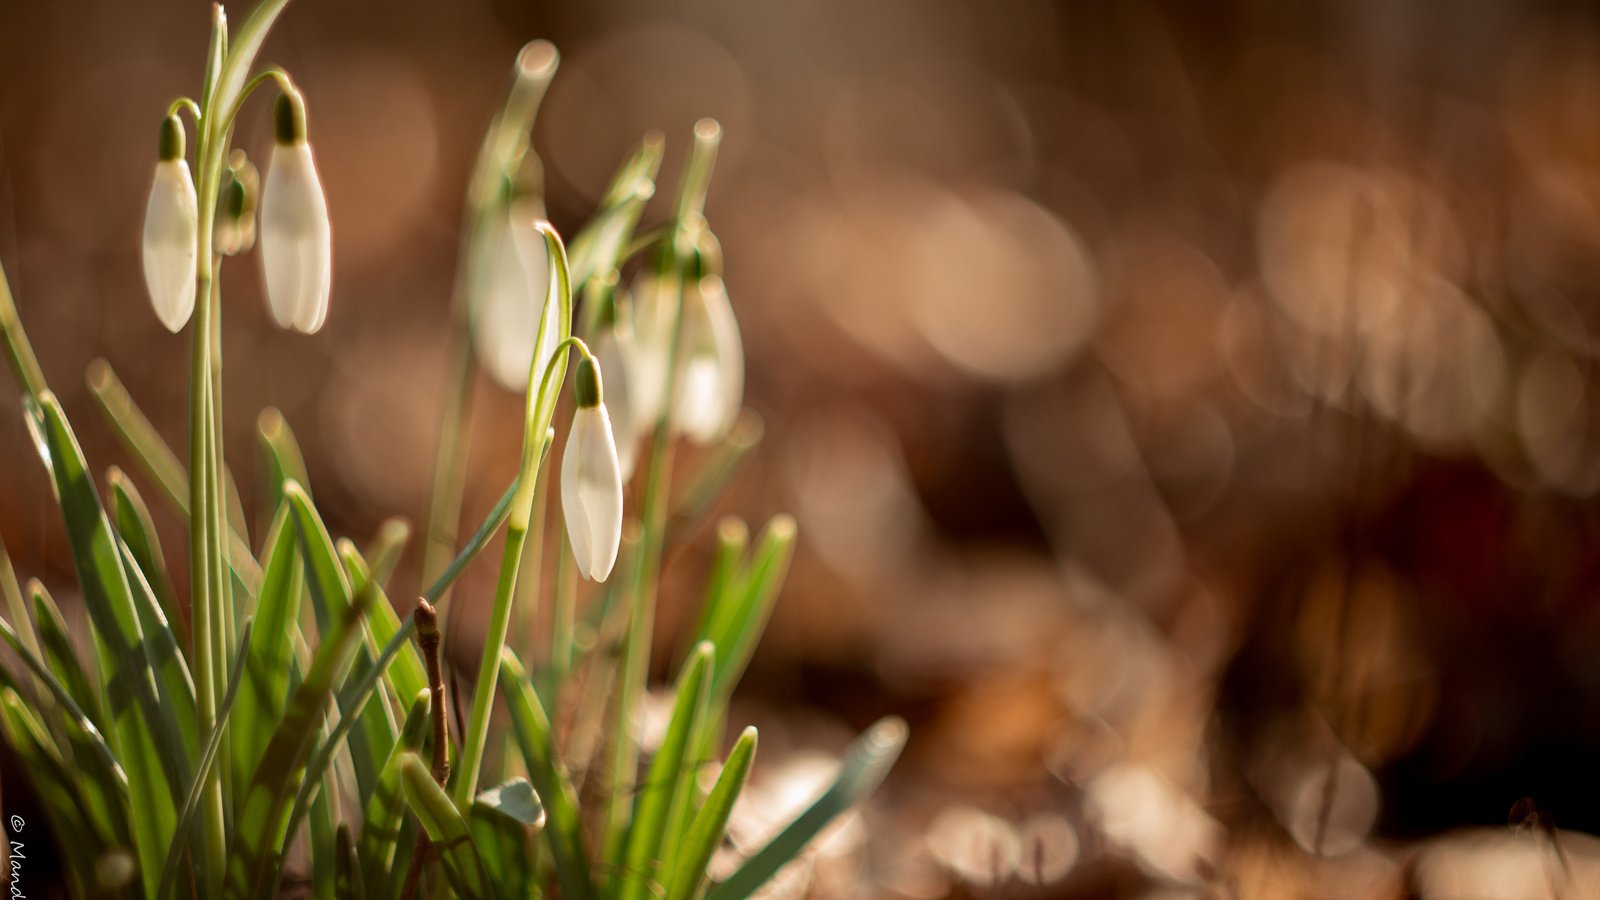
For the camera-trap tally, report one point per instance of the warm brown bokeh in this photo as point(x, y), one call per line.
point(1189, 408)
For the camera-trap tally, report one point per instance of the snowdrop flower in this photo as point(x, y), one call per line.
point(517, 308)
point(591, 480)
point(236, 223)
point(614, 350)
point(296, 251)
point(171, 229)
point(657, 309)
point(710, 383)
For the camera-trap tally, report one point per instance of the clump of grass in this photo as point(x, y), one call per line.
point(287, 703)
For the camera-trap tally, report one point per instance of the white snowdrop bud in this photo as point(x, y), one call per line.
point(171, 231)
point(591, 481)
point(296, 242)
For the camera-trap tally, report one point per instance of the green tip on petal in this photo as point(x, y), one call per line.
point(234, 202)
point(289, 119)
point(172, 139)
point(586, 383)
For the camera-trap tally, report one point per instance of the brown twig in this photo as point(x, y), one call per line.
point(427, 620)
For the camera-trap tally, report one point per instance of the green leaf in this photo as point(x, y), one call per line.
point(706, 831)
point(174, 684)
point(261, 820)
point(480, 538)
point(147, 446)
point(285, 462)
point(384, 814)
point(506, 848)
point(373, 737)
point(103, 784)
point(347, 883)
point(865, 764)
point(58, 653)
point(320, 835)
point(563, 830)
point(387, 546)
point(57, 789)
point(735, 626)
point(405, 675)
point(138, 533)
point(463, 866)
point(669, 773)
point(13, 593)
point(144, 736)
point(516, 800)
point(269, 659)
point(202, 772)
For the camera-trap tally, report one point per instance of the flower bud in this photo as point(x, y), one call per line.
point(591, 480)
point(516, 303)
point(296, 248)
point(235, 232)
point(171, 232)
point(710, 385)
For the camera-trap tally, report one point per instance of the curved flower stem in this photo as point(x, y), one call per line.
point(536, 441)
point(646, 570)
point(501, 152)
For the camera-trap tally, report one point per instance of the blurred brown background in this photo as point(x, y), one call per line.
point(1189, 408)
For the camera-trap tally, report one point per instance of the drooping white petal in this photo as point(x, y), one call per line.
point(710, 384)
point(613, 350)
point(171, 227)
point(591, 493)
point(514, 299)
point(296, 241)
point(655, 308)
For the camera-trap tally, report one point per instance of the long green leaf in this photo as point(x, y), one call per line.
point(138, 532)
point(668, 774)
point(735, 628)
point(202, 771)
point(58, 789)
point(445, 827)
point(373, 735)
point(387, 546)
point(504, 840)
point(56, 648)
point(144, 736)
point(865, 764)
point(147, 446)
point(174, 684)
point(261, 821)
point(563, 830)
point(711, 823)
point(270, 656)
point(405, 675)
point(384, 813)
point(285, 462)
point(347, 878)
point(96, 772)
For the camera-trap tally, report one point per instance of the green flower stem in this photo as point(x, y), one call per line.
point(646, 572)
point(501, 152)
point(535, 442)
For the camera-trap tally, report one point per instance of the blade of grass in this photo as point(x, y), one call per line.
point(347, 883)
point(706, 831)
point(865, 764)
point(463, 865)
point(15, 605)
point(652, 812)
point(563, 828)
